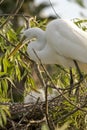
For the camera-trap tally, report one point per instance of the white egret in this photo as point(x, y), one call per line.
point(61, 43)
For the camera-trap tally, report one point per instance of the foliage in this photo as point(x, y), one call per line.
point(10, 69)
point(80, 2)
point(19, 75)
point(16, 71)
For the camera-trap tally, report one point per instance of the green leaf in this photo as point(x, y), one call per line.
point(2, 74)
point(18, 72)
point(1, 121)
point(6, 110)
point(9, 79)
point(4, 86)
point(11, 35)
point(5, 64)
point(3, 115)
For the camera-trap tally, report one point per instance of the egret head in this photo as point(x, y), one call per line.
point(36, 44)
point(34, 33)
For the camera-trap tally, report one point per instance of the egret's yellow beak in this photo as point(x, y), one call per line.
point(19, 45)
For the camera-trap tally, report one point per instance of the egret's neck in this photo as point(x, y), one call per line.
point(36, 45)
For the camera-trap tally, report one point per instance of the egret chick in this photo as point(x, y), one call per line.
point(33, 96)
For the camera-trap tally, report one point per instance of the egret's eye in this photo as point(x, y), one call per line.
point(34, 39)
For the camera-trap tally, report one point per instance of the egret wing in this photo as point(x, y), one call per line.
point(67, 40)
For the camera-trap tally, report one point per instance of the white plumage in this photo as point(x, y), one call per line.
point(33, 96)
point(61, 43)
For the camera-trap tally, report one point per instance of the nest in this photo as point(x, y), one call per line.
point(31, 116)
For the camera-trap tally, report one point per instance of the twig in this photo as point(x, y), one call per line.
point(19, 4)
point(13, 124)
point(25, 114)
point(38, 121)
point(49, 120)
point(62, 69)
point(39, 74)
point(70, 113)
point(15, 15)
point(1, 1)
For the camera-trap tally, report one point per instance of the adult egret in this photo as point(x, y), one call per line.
point(61, 43)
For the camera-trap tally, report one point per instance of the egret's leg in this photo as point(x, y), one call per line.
point(78, 69)
point(80, 78)
point(71, 81)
